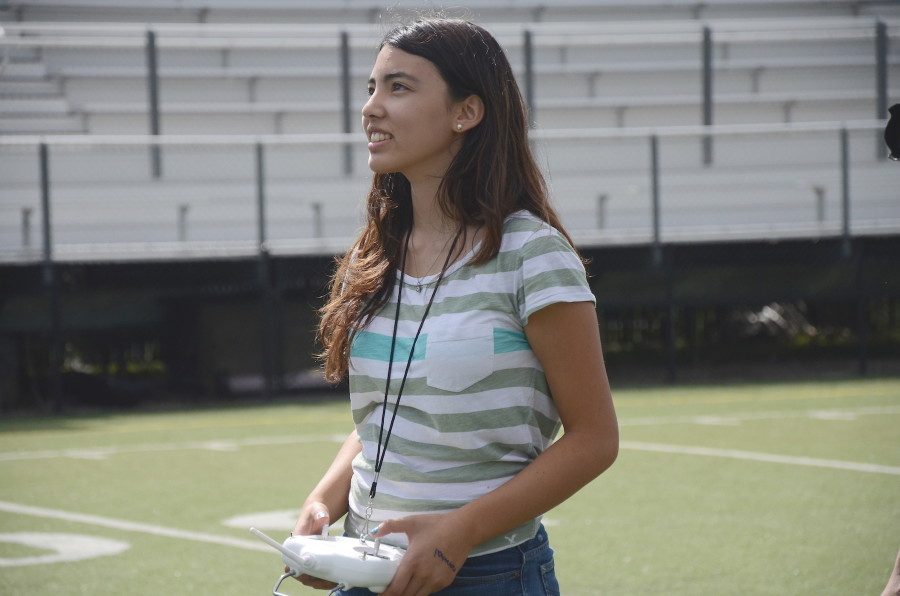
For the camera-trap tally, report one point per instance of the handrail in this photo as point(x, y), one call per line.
point(288, 35)
point(562, 134)
point(651, 233)
point(251, 29)
point(258, 5)
point(598, 40)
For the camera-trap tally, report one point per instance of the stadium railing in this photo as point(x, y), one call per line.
point(89, 197)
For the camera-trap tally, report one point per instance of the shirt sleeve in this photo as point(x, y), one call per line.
point(550, 272)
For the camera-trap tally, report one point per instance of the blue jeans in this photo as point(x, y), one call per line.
point(524, 570)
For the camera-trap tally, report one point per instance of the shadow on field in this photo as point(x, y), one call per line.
point(110, 401)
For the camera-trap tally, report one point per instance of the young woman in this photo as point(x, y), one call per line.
point(464, 320)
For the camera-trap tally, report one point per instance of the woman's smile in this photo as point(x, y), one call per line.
point(378, 139)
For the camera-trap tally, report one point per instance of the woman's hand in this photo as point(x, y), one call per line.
point(313, 517)
point(328, 501)
point(437, 549)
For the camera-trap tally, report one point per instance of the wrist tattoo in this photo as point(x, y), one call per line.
point(439, 555)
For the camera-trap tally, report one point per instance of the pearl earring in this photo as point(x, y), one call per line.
point(459, 127)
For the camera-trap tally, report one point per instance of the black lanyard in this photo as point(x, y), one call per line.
point(380, 451)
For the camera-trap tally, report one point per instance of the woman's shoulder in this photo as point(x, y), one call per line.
point(522, 220)
point(522, 227)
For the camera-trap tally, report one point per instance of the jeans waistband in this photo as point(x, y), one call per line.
point(535, 547)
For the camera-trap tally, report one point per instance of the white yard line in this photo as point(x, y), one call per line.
point(130, 526)
point(773, 458)
point(837, 414)
point(213, 445)
point(103, 452)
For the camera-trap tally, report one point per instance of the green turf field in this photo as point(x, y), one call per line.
point(762, 489)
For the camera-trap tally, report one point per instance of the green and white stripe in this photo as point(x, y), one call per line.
point(476, 408)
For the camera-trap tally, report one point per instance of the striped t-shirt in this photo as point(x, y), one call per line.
point(475, 408)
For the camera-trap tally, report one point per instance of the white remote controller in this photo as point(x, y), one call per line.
point(340, 559)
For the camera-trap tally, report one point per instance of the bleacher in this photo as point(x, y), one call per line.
point(273, 79)
point(789, 138)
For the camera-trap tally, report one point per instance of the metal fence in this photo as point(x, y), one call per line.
point(88, 198)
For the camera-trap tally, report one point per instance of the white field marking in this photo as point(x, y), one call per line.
point(771, 458)
point(716, 421)
point(283, 519)
point(130, 526)
point(844, 415)
point(63, 547)
point(99, 453)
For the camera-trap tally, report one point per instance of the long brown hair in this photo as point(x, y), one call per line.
point(493, 175)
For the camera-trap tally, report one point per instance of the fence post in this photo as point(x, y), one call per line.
point(153, 102)
point(862, 320)
point(345, 100)
point(54, 389)
point(654, 197)
point(671, 330)
point(820, 203)
point(528, 45)
point(26, 227)
point(659, 261)
point(267, 300)
point(182, 223)
point(259, 154)
point(881, 82)
point(318, 225)
point(846, 245)
point(707, 93)
point(601, 210)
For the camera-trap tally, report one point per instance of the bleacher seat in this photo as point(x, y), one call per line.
point(235, 80)
point(80, 66)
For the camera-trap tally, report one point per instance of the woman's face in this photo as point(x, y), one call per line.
point(409, 118)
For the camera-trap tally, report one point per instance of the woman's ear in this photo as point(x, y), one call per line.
point(469, 113)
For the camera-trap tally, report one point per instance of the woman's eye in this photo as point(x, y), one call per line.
point(394, 87)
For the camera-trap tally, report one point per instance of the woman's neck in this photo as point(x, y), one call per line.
point(433, 232)
point(429, 243)
point(429, 221)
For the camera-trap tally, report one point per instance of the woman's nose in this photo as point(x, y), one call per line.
point(372, 107)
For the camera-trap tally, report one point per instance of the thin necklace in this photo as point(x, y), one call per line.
point(381, 450)
point(419, 284)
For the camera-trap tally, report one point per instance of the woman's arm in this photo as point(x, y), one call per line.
point(329, 500)
point(566, 339)
point(331, 495)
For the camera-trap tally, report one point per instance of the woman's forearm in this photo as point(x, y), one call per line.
point(333, 489)
point(557, 474)
point(566, 340)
